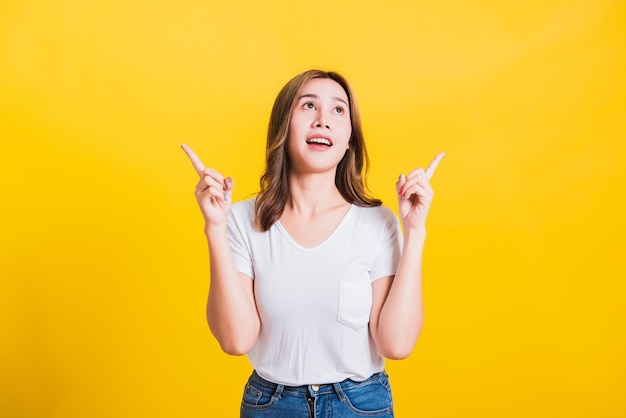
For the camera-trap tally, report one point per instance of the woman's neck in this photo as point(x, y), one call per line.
point(313, 193)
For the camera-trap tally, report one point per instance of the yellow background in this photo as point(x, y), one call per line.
point(103, 262)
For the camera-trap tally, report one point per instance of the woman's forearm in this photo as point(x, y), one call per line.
point(402, 314)
point(231, 309)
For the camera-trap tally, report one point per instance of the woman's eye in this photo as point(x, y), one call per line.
point(309, 105)
point(339, 110)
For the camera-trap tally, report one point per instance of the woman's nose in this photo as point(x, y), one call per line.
point(320, 121)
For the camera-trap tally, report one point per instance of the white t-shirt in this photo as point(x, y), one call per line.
point(314, 303)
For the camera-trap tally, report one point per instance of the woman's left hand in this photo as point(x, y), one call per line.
point(415, 194)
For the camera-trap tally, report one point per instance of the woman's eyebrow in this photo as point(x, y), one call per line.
point(316, 97)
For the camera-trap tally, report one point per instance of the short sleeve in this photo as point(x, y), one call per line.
point(388, 256)
point(239, 242)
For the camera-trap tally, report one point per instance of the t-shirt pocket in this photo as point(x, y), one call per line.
point(355, 303)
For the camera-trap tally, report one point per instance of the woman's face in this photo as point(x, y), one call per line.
point(320, 127)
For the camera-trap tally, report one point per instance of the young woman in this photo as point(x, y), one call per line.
point(313, 279)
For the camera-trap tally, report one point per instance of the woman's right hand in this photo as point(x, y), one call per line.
point(213, 192)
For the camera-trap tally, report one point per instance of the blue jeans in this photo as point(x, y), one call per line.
point(369, 398)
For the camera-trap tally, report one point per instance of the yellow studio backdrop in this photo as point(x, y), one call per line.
point(103, 263)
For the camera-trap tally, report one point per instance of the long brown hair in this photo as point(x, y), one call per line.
point(351, 171)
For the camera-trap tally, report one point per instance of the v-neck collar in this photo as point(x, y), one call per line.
point(300, 247)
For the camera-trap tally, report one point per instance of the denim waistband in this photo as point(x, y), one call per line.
point(317, 389)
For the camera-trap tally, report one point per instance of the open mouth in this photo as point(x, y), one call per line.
point(319, 140)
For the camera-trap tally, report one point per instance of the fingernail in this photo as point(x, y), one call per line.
point(225, 198)
point(400, 192)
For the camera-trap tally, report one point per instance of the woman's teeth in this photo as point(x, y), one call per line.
point(322, 141)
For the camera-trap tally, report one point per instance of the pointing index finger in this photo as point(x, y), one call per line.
point(430, 170)
point(195, 160)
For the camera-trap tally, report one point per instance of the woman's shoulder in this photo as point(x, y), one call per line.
point(376, 213)
point(243, 208)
